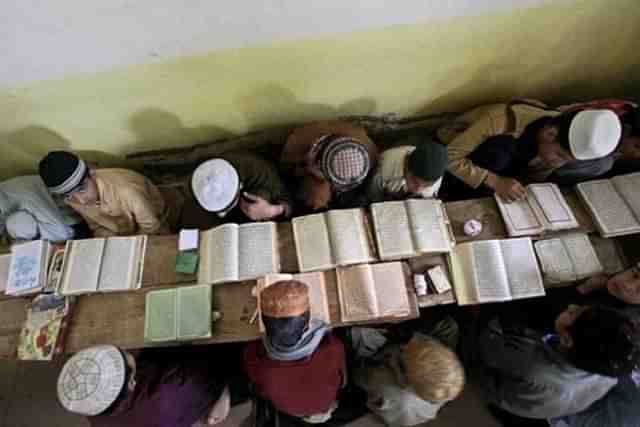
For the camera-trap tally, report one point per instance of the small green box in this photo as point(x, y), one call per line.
point(187, 262)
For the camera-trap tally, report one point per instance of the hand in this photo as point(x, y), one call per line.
point(257, 208)
point(508, 189)
point(593, 284)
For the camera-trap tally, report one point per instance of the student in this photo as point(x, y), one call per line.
point(414, 167)
point(299, 367)
point(113, 202)
point(541, 376)
point(407, 384)
point(494, 147)
point(239, 187)
point(334, 159)
point(113, 389)
point(28, 212)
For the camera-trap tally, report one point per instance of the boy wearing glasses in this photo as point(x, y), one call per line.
point(113, 202)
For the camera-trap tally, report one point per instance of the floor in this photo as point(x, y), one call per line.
point(28, 399)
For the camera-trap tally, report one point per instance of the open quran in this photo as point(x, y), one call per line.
point(102, 265)
point(495, 270)
point(317, 286)
point(334, 238)
point(28, 267)
point(567, 258)
point(544, 209)
point(373, 291)
point(408, 228)
point(178, 314)
point(613, 203)
point(233, 252)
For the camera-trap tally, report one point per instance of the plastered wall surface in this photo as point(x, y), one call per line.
point(558, 52)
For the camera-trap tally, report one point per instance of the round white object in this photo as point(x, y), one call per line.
point(215, 184)
point(92, 380)
point(472, 228)
point(594, 134)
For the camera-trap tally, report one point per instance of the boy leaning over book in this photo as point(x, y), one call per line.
point(407, 384)
point(299, 366)
point(113, 202)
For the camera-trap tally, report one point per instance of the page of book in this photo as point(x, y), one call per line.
point(629, 188)
point(357, 293)
point(391, 289)
point(5, 262)
point(462, 274)
point(555, 261)
point(194, 312)
point(119, 259)
point(348, 236)
point(219, 255)
point(258, 249)
point(428, 225)
point(83, 260)
point(392, 230)
point(556, 213)
point(523, 275)
point(583, 255)
point(25, 270)
point(609, 210)
point(160, 316)
point(519, 217)
point(490, 275)
point(313, 247)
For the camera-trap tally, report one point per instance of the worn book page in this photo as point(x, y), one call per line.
point(194, 312)
point(490, 274)
point(462, 274)
point(391, 289)
point(83, 261)
point(520, 217)
point(582, 254)
point(219, 256)
point(25, 269)
point(258, 250)
point(393, 235)
point(609, 253)
point(629, 188)
point(5, 262)
point(611, 213)
point(554, 210)
point(523, 275)
point(357, 293)
point(555, 261)
point(312, 242)
point(348, 236)
point(318, 299)
point(118, 264)
point(428, 227)
point(160, 316)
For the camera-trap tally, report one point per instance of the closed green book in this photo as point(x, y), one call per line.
point(178, 314)
point(186, 262)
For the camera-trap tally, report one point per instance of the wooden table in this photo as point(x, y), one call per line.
point(119, 318)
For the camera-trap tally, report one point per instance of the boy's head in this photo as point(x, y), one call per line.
point(67, 175)
point(601, 340)
point(579, 135)
point(284, 307)
point(425, 168)
point(433, 370)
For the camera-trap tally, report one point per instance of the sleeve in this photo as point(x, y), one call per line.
point(492, 123)
point(261, 178)
point(55, 232)
point(148, 220)
point(375, 189)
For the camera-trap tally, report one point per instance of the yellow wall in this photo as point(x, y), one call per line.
point(581, 49)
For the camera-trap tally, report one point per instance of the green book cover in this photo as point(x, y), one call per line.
point(187, 262)
point(160, 316)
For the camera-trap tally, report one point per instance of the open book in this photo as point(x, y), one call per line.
point(372, 291)
point(178, 314)
point(326, 240)
point(568, 258)
point(495, 270)
point(613, 203)
point(28, 267)
point(102, 265)
point(404, 229)
point(316, 283)
point(544, 209)
point(233, 252)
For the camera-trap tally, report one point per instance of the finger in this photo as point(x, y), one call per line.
point(250, 197)
point(592, 284)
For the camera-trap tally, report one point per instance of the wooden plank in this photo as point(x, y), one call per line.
point(13, 314)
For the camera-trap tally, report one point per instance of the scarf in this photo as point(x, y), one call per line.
point(305, 346)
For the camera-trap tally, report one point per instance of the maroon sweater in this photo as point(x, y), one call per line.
point(303, 387)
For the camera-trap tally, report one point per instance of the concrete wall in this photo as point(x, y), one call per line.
point(133, 100)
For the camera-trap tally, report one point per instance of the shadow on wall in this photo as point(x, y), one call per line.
point(159, 129)
point(272, 103)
